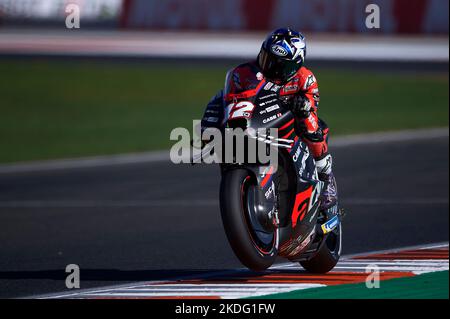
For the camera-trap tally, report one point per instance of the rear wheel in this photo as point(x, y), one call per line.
point(328, 255)
point(255, 247)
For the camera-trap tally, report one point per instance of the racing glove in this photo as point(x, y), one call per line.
point(301, 106)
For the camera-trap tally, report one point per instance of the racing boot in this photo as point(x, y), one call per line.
point(329, 195)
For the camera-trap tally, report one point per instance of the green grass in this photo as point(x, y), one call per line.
point(426, 286)
point(54, 109)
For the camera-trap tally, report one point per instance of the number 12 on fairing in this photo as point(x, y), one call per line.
point(242, 109)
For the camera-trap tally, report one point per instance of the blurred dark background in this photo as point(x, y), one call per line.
point(135, 69)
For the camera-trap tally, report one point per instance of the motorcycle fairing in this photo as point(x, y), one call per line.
point(299, 231)
point(297, 236)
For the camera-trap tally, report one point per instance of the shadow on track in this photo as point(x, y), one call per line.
point(146, 275)
point(108, 274)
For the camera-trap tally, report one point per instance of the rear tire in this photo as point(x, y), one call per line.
point(241, 236)
point(328, 255)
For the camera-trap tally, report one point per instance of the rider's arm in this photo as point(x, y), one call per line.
point(310, 89)
point(307, 103)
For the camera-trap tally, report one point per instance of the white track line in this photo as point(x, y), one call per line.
point(347, 258)
point(140, 286)
point(431, 263)
point(398, 262)
point(88, 162)
point(163, 156)
point(242, 290)
point(386, 137)
point(394, 268)
point(416, 266)
point(229, 291)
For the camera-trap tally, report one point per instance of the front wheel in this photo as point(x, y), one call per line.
point(255, 247)
point(328, 255)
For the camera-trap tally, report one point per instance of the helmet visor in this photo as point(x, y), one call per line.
point(275, 68)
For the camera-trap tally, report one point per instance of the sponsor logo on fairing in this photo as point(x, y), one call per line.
point(330, 225)
point(268, 102)
point(269, 192)
point(270, 119)
point(272, 87)
point(268, 96)
point(270, 109)
point(276, 88)
point(268, 86)
point(297, 154)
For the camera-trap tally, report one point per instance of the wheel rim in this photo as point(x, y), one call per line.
point(262, 240)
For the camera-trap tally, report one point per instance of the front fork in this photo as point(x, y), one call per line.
point(273, 215)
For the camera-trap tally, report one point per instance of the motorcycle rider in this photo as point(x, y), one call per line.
point(281, 61)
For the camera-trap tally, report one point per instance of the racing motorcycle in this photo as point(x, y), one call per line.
point(268, 212)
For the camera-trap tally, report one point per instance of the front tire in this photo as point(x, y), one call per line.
point(328, 255)
point(254, 253)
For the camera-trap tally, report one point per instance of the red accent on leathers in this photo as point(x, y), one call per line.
point(246, 79)
point(318, 149)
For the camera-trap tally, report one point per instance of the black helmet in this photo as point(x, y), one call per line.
point(282, 54)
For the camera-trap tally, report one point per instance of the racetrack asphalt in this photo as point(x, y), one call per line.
point(150, 221)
